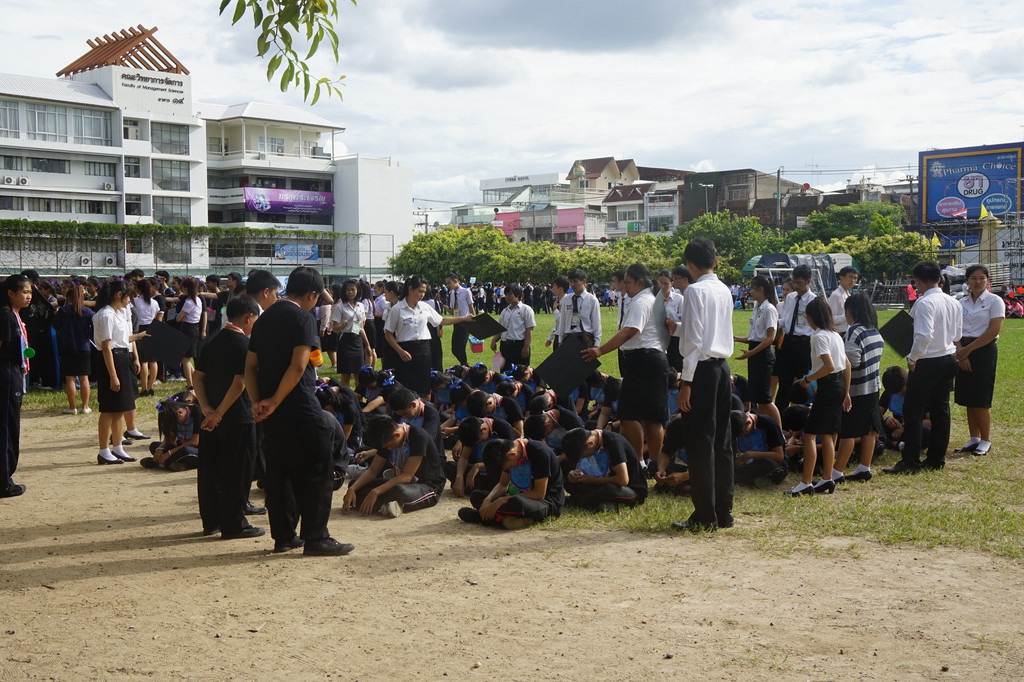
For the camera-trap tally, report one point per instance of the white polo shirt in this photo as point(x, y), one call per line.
point(979, 313)
point(516, 321)
point(410, 324)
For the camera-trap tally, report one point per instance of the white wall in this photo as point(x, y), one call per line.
point(372, 197)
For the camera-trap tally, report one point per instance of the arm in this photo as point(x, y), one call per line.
point(924, 328)
point(406, 475)
point(847, 400)
point(827, 367)
point(300, 358)
point(769, 339)
point(619, 476)
point(252, 377)
point(108, 360)
point(595, 320)
point(372, 472)
point(623, 335)
point(995, 325)
point(202, 323)
point(527, 342)
point(403, 355)
point(776, 454)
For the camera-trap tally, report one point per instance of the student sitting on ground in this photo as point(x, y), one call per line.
point(673, 475)
point(760, 449)
point(410, 409)
point(529, 487)
point(602, 471)
point(467, 471)
point(793, 419)
point(550, 425)
point(510, 388)
point(179, 424)
point(481, 378)
point(415, 479)
point(480, 404)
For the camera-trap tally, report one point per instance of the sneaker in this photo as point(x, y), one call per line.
point(470, 515)
point(327, 547)
point(391, 510)
point(69, 410)
point(282, 546)
point(86, 410)
point(250, 532)
point(516, 522)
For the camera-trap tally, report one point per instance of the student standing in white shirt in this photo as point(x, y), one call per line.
point(519, 322)
point(837, 299)
point(559, 289)
point(706, 342)
point(460, 302)
point(116, 376)
point(977, 353)
point(794, 357)
point(579, 312)
point(673, 301)
point(938, 321)
point(760, 340)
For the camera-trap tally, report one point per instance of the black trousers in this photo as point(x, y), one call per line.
point(412, 496)
point(482, 481)
point(299, 480)
point(12, 384)
point(928, 389)
point(538, 510)
point(585, 496)
point(436, 351)
point(792, 362)
point(460, 337)
point(512, 351)
point(226, 458)
point(708, 442)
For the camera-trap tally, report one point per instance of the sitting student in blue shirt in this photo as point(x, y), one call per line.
point(760, 449)
point(480, 404)
point(894, 389)
point(411, 409)
point(510, 388)
point(467, 471)
point(529, 488)
point(602, 471)
point(551, 425)
point(481, 378)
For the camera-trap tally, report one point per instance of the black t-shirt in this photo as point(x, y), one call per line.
point(350, 414)
point(508, 409)
point(417, 444)
point(339, 448)
point(540, 462)
point(766, 436)
point(221, 360)
point(10, 337)
point(430, 421)
point(614, 450)
point(499, 429)
point(281, 328)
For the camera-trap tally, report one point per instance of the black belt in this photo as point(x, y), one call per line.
point(643, 350)
point(120, 351)
point(710, 360)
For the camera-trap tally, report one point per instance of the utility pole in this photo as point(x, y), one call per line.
point(778, 199)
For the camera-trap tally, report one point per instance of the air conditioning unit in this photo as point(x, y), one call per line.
point(8, 180)
point(22, 180)
point(107, 186)
point(110, 261)
point(263, 156)
point(86, 260)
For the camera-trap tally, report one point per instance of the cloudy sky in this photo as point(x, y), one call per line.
point(461, 90)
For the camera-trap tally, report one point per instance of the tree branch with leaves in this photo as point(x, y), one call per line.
point(283, 27)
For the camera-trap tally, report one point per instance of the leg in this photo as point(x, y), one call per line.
point(913, 414)
point(143, 375)
point(938, 410)
point(770, 410)
point(810, 458)
point(828, 455)
point(867, 448)
point(186, 370)
point(633, 432)
point(282, 510)
point(312, 477)
point(520, 506)
point(844, 452)
point(459, 338)
point(725, 463)
point(84, 389)
point(412, 496)
point(69, 391)
point(207, 482)
point(345, 380)
point(655, 437)
point(593, 496)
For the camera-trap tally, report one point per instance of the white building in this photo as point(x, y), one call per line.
point(118, 139)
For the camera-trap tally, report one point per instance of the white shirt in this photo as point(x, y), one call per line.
point(623, 306)
point(640, 316)
point(191, 312)
point(587, 319)
point(108, 323)
point(147, 311)
point(978, 314)
point(554, 328)
point(351, 318)
point(764, 317)
point(516, 321)
point(707, 323)
point(380, 305)
point(410, 324)
point(673, 306)
point(786, 314)
point(824, 342)
point(460, 301)
point(836, 301)
point(938, 321)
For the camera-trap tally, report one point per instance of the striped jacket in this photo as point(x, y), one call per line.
point(864, 351)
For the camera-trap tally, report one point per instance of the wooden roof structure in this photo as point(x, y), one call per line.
point(134, 48)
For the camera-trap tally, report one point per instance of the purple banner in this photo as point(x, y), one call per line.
point(288, 201)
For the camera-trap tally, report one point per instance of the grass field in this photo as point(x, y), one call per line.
point(974, 503)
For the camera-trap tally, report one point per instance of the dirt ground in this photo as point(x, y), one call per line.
point(103, 574)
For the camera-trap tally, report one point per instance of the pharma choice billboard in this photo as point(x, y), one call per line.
point(288, 201)
point(956, 183)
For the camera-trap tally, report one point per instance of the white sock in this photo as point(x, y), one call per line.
point(105, 454)
point(836, 474)
point(972, 441)
point(983, 445)
point(861, 468)
point(801, 486)
point(136, 433)
point(118, 450)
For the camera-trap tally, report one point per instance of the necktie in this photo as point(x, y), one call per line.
point(796, 313)
point(575, 320)
point(622, 309)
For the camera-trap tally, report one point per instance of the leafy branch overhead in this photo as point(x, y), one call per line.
point(283, 28)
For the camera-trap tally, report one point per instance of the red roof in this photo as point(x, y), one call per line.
point(592, 167)
point(624, 193)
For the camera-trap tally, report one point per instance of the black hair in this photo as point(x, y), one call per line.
point(505, 388)
point(476, 403)
point(675, 437)
point(819, 313)
point(365, 292)
point(794, 417)
point(701, 252)
point(494, 455)
point(336, 292)
point(764, 284)
point(145, 290)
point(894, 379)
point(638, 272)
point(861, 310)
point(476, 375)
point(12, 283)
point(664, 273)
point(163, 273)
point(413, 282)
point(519, 372)
point(459, 394)
point(367, 376)
point(577, 274)
point(190, 287)
point(574, 443)
point(394, 287)
point(213, 278)
point(540, 402)
point(847, 270)
point(401, 398)
point(801, 272)
point(378, 427)
point(971, 269)
point(344, 287)
point(619, 274)
point(107, 293)
point(451, 275)
point(533, 427)
point(798, 395)
point(32, 274)
point(328, 398)
point(515, 290)
point(469, 431)
point(303, 280)
point(137, 272)
point(562, 282)
point(738, 420)
point(241, 306)
point(682, 271)
point(259, 281)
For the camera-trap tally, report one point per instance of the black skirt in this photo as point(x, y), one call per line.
point(124, 399)
point(415, 374)
point(974, 388)
point(827, 411)
point(143, 347)
point(350, 353)
point(192, 332)
point(864, 415)
point(759, 374)
point(329, 342)
point(644, 392)
point(76, 363)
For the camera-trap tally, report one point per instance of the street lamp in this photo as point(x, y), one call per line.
point(705, 195)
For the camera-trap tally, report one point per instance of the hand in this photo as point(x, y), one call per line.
point(547, 344)
point(404, 355)
point(137, 367)
point(911, 365)
point(576, 476)
point(349, 501)
point(368, 503)
point(847, 403)
point(673, 480)
point(211, 421)
point(684, 398)
point(494, 345)
point(744, 355)
point(115, 385)
point(965, 364)
point(160, 455)
point(489, 510)
point(263, 409)
point(471, 475)
point(671, 326)
point(590, 354)
point(961, 353)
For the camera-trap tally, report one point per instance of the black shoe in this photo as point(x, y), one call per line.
point(13, 490)
point(253, 510)
point(250, 532)
point(207, 532)
point(973, 447)
point(147, 463)
point(729, 523)
point(901, 467)
point(809, 490)
point(470, 515)
point(123, 458)
point(691, 526)
point(825, 486)
point(152, 447)
point(931, 465)
point(124, 442)
point(288, 545)
point(100, 459)
point(327, 547)
point(859, 476)
point(980, 453)
point(141, 436)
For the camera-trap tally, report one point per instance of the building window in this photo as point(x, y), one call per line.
point(132, 130)
point(739, 193)
point(327, 251)
point(12, 203)
point(92, 127)
point(47, 123)
point(133, 204)
point(214, 145)
point(172, 249)
point(95, 207)
point(170, 139)
point(104, 170)
point(43, 205)
point(172, 211)
point(49, 165)
point(171, 176)
point(308, 146)
point(8, 118)
point(135, 245)
point(132, 167)
point(272, 145)
point(626, 214)
point(12, 163)
point(661, 223)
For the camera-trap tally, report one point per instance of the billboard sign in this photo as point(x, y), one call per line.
point(956, 183)
point(288, 201)
point(294, 253)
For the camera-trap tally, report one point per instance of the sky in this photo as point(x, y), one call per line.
point(463, 90)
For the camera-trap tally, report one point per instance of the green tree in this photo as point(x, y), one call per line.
point(481, 252)
point(283, 27)
point(736, 239)
point(886, 256)
point(865, 218)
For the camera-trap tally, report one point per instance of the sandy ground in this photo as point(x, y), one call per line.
point(103, 574)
